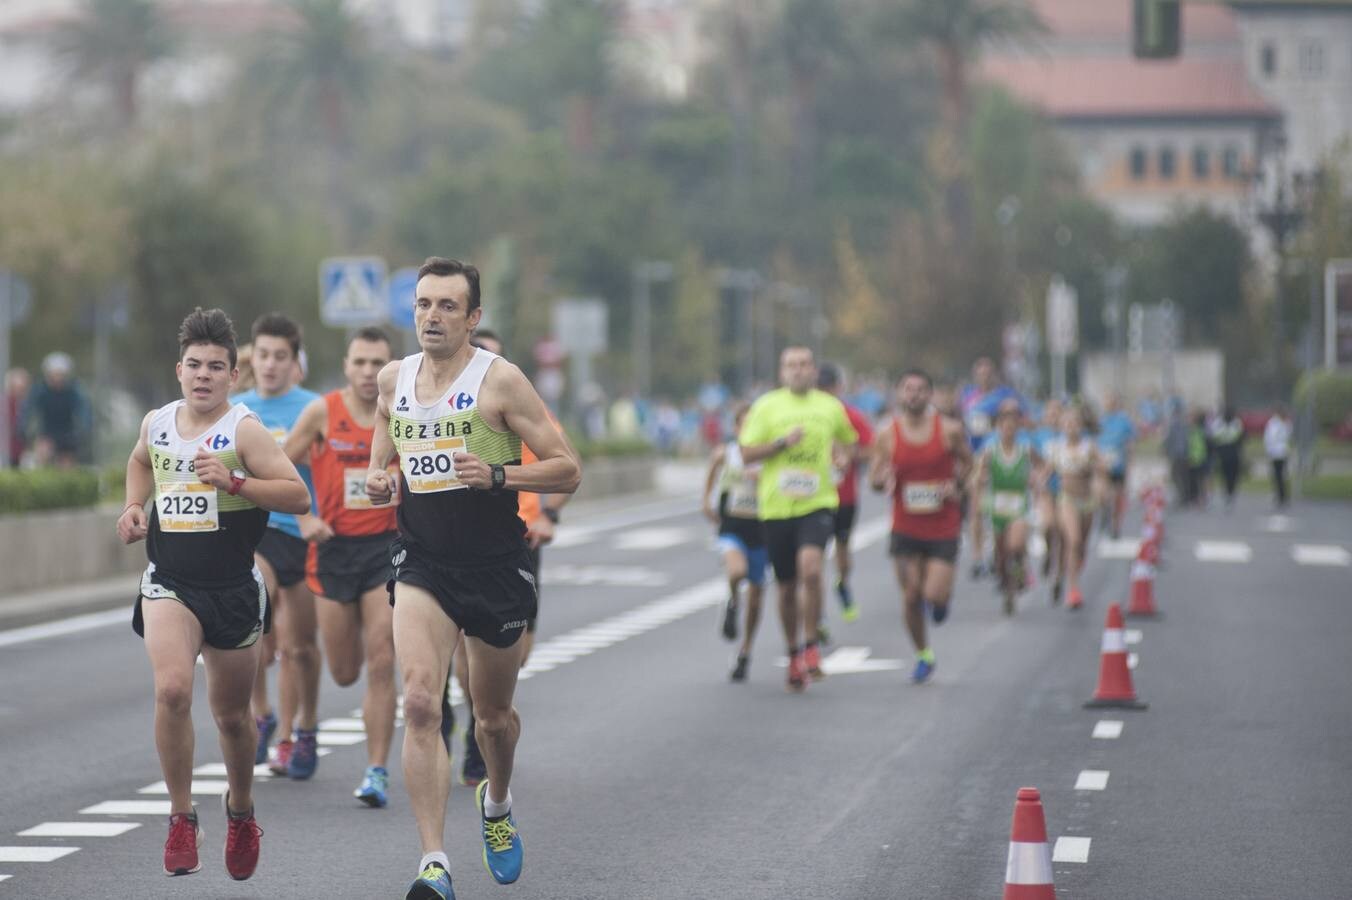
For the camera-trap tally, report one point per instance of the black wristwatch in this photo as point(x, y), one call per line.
point(499, 476)
point(551, 514)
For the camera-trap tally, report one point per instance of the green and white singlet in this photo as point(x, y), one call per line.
point(437, 513)
point(1008, 485)
point(199, 535)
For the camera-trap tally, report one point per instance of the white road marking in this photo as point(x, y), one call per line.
point(1092, 780)
point(1071, 850)
point(1132, 636)
point(5, 877)
point(205, 787)
point(79, 829)
point(652, 538)
point(1118, 548)
point(1132, 660)
point(1037, 545)
point(1107, 729)
point(73, 625)
point(340, 738)
point(128, 808)
point(1321, 555)
point(606, 576)
point(1223, 551)
point(1278, 524)
point(347, 724)
point(217, 770)
point(34, 854)
point(849, 661)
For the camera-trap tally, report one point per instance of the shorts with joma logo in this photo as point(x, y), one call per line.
point(493, 601)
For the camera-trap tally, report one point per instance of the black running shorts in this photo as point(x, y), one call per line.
point(493, 602)
point(905, 545)
point(286, 555)
point(846, 516)
point(536, 557)
point(784, 537)
point(232, 616)
point(345, 568)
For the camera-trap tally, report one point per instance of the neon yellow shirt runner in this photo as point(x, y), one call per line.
point(798, 480)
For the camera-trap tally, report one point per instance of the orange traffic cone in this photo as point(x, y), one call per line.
point(1149, 552)
point(1142, 590)
point(1028, 873)
point(1114, 684)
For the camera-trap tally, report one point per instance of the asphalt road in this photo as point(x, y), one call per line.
point(643, 773)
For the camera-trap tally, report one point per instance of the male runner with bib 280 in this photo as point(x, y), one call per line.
point(457, 416)
point(794, 432)
point(211, 472)
point(349, 570)
point(921, 460)
point(278, 402)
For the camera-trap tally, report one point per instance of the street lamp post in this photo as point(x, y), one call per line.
point(744, 283)
point(646, 272)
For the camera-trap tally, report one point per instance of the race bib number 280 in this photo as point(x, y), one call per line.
point(429, 466)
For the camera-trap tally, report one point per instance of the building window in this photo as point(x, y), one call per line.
point(1269, 59)
point(1201, 163)
point(1312, 59)
point(1166, 163)
point(1138, 163)
point(1230, 161)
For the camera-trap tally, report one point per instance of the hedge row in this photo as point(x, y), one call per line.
point(29, 490)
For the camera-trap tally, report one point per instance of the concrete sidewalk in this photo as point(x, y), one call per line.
point(675, 478)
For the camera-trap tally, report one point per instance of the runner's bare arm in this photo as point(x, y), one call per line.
point(379, 485)
point(710, 476)
point(134, 522)
point(880, 467)
point(754, 453)
point(977, 481)
point(959, 446)
point(273, 482)
point(524, 413)
point(308, 431)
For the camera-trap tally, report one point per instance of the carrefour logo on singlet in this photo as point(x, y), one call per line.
point(219, 442)
point(462, 400)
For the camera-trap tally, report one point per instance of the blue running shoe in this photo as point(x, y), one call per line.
point(374, 790)
point(432, 883)
point(924, 668)
point(304, 755)
point(502, 845)
point(267, 725)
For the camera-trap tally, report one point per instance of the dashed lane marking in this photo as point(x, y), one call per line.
point(652, 538)
point(346, 724)
point(606, 576)
point(1278, 524)
point(205, 788)
point(1118, 548)
point(34, 854)
point(1092, 780)
point(1321, 555)
point(217, 770)
point(1107, 729)
point(340, 738)
point(128, 808)
point(1133, 660)
point(1071, 850)
point(79, 829)
point(1223, 551)
point(73, 625)
point(1132, 636)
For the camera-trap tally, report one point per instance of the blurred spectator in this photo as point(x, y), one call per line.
point(870, 395)
point(1277, 443)
point(246, 373)
point(713, 396)
point(624, 421)
point(666, 427)
point(592, 402)
point(57, 415)
point(1176, 449)
point(711, 428)
point(1227, 436)
point(17, 382)
point(1149, 412)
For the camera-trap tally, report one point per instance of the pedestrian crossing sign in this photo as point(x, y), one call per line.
point(352, 291)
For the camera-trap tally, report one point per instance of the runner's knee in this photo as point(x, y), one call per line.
point(234, 722)
point(422, 707)
point(493, 722)
point(344, 672)
point(174, 695)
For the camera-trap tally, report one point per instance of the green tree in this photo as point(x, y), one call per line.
point(114, 41)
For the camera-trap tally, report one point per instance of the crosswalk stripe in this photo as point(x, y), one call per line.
point(1321, 555)
point(79, 829)
point(1223, 551)
point(206, 787)
point(1071, 850)
point(128, 808)
point(34, 854)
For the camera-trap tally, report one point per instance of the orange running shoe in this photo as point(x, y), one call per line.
point(1076, 599)
point(812, 661)
point(797, 673)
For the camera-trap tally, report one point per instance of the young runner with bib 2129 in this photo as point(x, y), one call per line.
point(457, 416)
point(921, 459)
point(210, 472)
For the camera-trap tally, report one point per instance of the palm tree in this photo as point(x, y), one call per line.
point(114, 41)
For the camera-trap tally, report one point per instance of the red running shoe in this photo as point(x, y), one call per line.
point(1076, 600)
point(797, 673)
point(812, 661)
point(241, 841)
point(280, 761)
point(180, 851)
